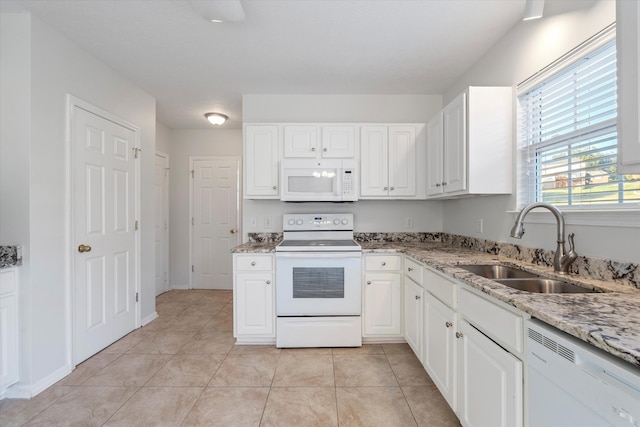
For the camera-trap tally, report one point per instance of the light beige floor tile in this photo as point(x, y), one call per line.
point(307, 351)
point(187, 370)
point(170, 309)
point(162, 343)
point(373, 407)
point(16, 412)
point(363, 370)
point(429, 407)
point(129, 370)
point(304, 370)
point(156, 407)
point(255, 349)
point(84, 406)
point(408, 369)
point(88, 368)
point(186, 323)
point(209, 343)
point(396, 348)
point(228, 406)
point(203, 309)
point(301, 406)
point(157, 323)
point(365, 349)
point(126, 343)
point(245, 370)
point(219, 323)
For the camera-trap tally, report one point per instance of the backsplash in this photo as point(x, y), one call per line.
point(625, 273)
point(10, 256)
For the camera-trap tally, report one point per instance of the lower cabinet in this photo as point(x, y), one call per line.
point(254, 299)
point(382, 297)
point(490, 387)
point(8, 327)
point(413, 315)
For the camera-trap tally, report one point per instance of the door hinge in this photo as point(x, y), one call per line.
point(136, 151)
point(192, 174)
point(193, 221)
point(136, 226)
point(136, 297)
point(193, 269)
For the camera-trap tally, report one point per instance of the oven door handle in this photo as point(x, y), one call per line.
point(317, 255)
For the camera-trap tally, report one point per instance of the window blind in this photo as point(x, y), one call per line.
point(568, 137)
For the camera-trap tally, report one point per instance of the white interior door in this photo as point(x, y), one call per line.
point(161, 226)
point(105, 262)
point(214, 208)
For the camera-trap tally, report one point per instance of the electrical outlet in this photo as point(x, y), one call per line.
point(479, 226)
point(408, 222)
point(267, 222)
point(252, 222)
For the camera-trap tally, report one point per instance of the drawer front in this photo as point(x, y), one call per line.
point(254, 262)
point(383, 262)
point(413, 269)
point(441, 287)
point(502, 325)
point(8, 280)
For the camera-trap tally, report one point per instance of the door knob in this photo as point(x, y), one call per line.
point(233, 231)
point(84, 248)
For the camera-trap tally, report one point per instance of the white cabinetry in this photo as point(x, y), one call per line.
point(261, 156)
point(336, 141)
point(382, 311)
point(8, 327)
point(469, 144)
point(392, 162)
point(253, 299)
point(413, 303)
point(628, 55)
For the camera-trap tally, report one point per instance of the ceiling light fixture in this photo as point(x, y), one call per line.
point(533, 10)
point(216, 118)
point(218, 10)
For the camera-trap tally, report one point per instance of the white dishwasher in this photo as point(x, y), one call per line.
point(573, 384)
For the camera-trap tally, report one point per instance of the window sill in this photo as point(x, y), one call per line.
point(601, 217)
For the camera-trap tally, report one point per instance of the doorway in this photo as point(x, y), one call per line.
point(161, 225)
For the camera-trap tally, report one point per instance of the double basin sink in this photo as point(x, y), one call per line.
point(523, 280)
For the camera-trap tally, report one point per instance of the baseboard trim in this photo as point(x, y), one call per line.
point(28, 391)
point(149, 318)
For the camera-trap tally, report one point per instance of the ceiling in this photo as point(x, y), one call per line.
point(192, 66)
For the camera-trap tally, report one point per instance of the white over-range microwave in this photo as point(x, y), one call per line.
point(305, 180)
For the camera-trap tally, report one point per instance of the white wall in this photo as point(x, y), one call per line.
point(186, 143)
point(163, 138)
point(59, 67)
point(371, 215)
point(525, 49)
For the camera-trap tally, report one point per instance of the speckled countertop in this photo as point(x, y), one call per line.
point(10, 256)
point(609, 320)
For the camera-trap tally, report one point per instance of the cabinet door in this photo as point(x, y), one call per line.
point(439, 347)
point(254, 304)
point(434, 156)
point(338, 142)
point(413, 318)
point(261, 162)
point(382, 304)
point(455, 145)
point(489, 382)
point(9, 340)
point(301, 141)
point(374, 161)
point(402, 161)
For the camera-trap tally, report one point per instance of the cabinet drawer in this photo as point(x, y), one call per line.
point(502, 325)
point(254, 262)
point(383, 262)
point(413, 269)
point(8, 280)
point(441, 287)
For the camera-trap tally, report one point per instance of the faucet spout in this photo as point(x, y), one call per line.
point(562, 260)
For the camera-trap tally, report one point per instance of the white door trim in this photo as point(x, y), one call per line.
point(192, 159)
point(165, 206)
point(73, 102)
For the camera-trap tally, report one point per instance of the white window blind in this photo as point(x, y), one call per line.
point(568, 137)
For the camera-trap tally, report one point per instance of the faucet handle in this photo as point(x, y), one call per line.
point(570, 239)
point(570, 256)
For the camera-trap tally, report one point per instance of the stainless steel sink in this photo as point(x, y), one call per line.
point(497, 271)
point(541, 285)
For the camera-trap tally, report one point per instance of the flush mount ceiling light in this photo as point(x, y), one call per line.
point(219, 11)
point(533, 10)
point(216, 118)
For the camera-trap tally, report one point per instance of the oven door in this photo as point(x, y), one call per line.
point(318, 283)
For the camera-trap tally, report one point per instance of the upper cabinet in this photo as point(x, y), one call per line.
point(320, 141)
point(261, 157)
point(392, 163)
point(628, 54)
point(469, 144)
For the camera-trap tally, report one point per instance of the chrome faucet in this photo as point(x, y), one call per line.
point(562, 259)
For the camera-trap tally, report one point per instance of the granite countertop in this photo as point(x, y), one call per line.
point(10, 256)
point(609, 320)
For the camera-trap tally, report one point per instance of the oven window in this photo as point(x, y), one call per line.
point(318, 282)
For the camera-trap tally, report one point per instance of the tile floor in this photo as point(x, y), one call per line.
point(183, 369)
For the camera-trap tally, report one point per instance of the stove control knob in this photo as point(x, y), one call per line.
point(345, 221)
point(336, 221)
point(299, 222)
point(292, 221)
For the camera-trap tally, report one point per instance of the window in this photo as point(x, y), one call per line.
point(568, 136)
